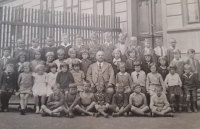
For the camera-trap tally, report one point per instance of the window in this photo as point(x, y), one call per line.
point(193, 10)
point(104, 7)
point(47, 4)
point(72, 6)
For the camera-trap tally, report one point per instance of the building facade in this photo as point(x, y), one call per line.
point(179, 19)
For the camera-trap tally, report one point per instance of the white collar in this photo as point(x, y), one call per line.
point(189, 76)
point(116, 60)
point(35, 48)
point(65, 45)
point(20, 48)
point(100, 63)
point(6, 57)
point(108, 43)
point(20, 63)
point(123, 73)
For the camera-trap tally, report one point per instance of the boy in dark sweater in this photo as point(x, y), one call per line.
point(190, 82)
point(64, 78)
point(119, 104)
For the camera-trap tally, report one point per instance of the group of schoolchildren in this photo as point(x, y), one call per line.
point(147, 82)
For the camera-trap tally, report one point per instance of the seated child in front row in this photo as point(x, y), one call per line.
point(78, 75)
point(64, 78)
point(7, 86)
point(138, 102)
point(119, 104)
point(71, 99)
point(190, 84)
point(139, 77)
point(159, 104)
point(39, 86)
point(25, 83)
point(124, 78)
point(54, 102)
point(102, 101)
point(174, 86)
point(86, 101)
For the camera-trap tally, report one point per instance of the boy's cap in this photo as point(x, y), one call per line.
point(72, 85)
point(7, 48)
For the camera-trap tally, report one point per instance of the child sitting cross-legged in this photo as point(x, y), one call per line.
point(102, 101)
point(54, 102)
point(86, 101)
point(119, 104)
point(159, 104)
point(71, 98)
point(138, 102)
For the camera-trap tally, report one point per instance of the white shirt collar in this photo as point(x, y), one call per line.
point(65, 45)
point(108, 43)
point(123, 73)
point(99, 63)
point(6, 57)
point(35, 48)
point(116, 60)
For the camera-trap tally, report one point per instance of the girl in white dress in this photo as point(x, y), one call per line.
point(39, 86)
point(51, 78)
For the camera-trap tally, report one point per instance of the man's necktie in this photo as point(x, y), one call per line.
point(5, 62)
point(99, 65)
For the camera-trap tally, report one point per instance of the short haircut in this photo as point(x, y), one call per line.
point(76, 63)
point(177, 51)
point(39, 66)
point(172, 40)
point(162, 58)
point(49, 38)
point(72, 50)
point(137, 63)
point(21, 40)
point(115, 51)
point(22, 54)
point(63, 64)
point(50, 54)
point(153, 65)
point(37, 51)
point(172, 66)
point(55, 86)
point(191, 51)
point(35, 40)
point(60, 51)
point(26, 65)
point(187, 66)
point(130, 51)
point(87, 83)
point(53, 65)
point(10, 64)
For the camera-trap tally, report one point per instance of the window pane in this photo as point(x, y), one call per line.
point(107, 7)
point(193, 12)
point(100, 8)
point(75, 2)
point(68, 9)
point(69, 3)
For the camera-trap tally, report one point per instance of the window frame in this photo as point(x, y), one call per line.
point(71, 7)
point(103, 1)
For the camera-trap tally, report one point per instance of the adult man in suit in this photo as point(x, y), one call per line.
point(101, 73)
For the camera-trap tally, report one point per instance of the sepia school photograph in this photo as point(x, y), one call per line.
point(99, 64)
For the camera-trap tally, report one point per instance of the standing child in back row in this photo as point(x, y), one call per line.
point(21, 48)
point(49, 47)
point(170, 53)
point(194, 64)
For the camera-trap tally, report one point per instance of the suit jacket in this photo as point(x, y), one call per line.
point(170, 55)
point(107, 74)
point(189, 61)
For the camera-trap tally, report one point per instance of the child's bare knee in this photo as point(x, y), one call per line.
point(43, 106)
point(109, 90)
point(172, 96)
point(188, 98)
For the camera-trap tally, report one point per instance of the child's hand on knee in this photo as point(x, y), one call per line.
point(117, 109)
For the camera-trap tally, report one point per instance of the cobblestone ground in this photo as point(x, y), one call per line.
point(13, 120)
